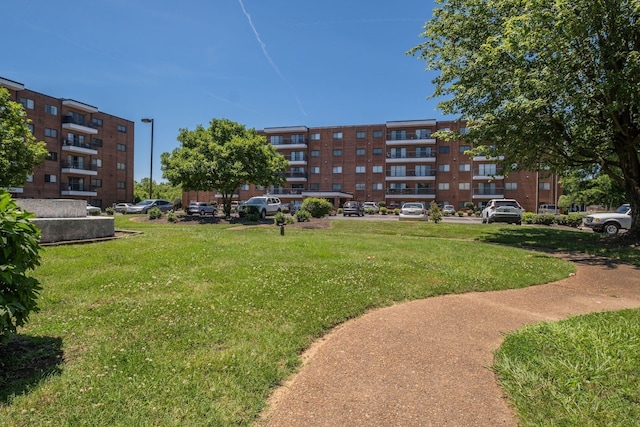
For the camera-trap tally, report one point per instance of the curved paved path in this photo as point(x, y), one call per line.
point(425, 363)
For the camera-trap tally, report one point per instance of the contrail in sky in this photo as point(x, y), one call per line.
point(266, 55)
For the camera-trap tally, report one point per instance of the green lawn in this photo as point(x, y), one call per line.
point(195, 325)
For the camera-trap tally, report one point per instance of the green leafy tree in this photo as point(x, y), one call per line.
point(582, 188)
point(223, 157)
point(547, 84)
point(19, 253)
point(163, 190)
point(19, 151)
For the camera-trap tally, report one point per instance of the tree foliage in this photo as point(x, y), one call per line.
point(19, 151)
point(223, 157)
point(582, 189)
point(553, 84)
point(19, 253)
point(163, 190)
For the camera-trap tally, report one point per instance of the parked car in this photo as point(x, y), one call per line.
point(448, 210)
point(144, 206)
point(93, 210)
point(353, 208)
point(368, 206)
point(611, 222)
point(413, 211)
point(266, 205)
point(548, 209)
point(202, 208)
point(121, 207)
point(502, 210)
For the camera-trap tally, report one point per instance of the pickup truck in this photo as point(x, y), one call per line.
point(610, 222)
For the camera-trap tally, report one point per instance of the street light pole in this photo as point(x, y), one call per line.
point(151, 166)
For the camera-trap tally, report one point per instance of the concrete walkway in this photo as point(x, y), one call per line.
point(425, 363)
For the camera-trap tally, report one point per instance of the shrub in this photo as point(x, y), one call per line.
point(279, 219)
point(303, 215)
point(544, 219)
point(460, 213)
point(470, 206)
point(290, 220)
point(571, 220)
point(19, 253)
point(383, 210)
point(339, 211)
point(317, 207)
point(109, 211)
point(382, 204)
point(396, 211)
point(435, 213)
point(251, 212)
point(171, 216)
point(154, 213)
point(528, 217)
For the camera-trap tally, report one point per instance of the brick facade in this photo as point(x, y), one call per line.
point(90, 152)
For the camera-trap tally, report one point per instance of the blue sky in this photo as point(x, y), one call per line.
point(257, 62)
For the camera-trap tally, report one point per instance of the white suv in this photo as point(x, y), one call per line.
point(266, 205)
point(502, 210)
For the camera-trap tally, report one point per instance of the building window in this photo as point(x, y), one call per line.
point(377, 151)
point(423, 170)
point(96, 142)
point(377, 186)
point(464, 186)
point(544, 186)
point(337, 152)
point(423, 133)
point(464, 130)
point(51, 109)
point(337, 169)
point(444, 149)
point(297, 139)
point(96, 122)
point(361, 169)
point(27, 103)
point(97, 183)
point(122, 129)
point(315, 170)
point(464, 167)
point(121, 166)
point(121, 185)
point(464, 148)
point(314, 186)
point(275, 139)
point(336, 186)
point(96, 163)
point(315, 137)
point(360, 186)
point(361, 134)
point(52, 156)
point(29, 178)
point(31, 128)
point(443, 168)
point(315, 153)
point(337, 135)
point(50, 178)
point(361, 151)
point(122, 147)
point(510, 185)
point(486, 169)
point(377, 169)
point(259, 188)
point(297, 156)
point(76, 118)
point(51, 133)
point(443, 186)
point(377, 134)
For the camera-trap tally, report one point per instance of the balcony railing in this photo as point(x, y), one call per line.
point(287, 191)
point(297, 158)
point(295, 175)
point(397, 174)
point(409, 137)
point(411, 155)
point(74, 120)
point(487, 173)
point(75, 143)
point(78, 165)
point(487, 191)
point(289, 141)
point(411, 191)
point(74, 186)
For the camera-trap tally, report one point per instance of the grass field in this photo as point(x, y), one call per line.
point(195, 325)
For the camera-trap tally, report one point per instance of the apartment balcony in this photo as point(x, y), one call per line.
point(288, 143)
point(73, 189)
point(488, 193)
point(297, 160)
point(411, 157)
point(286, 191)
point(296, 176)
point(410, 139)
point(77, 168)
point(487, 175)
point(69, 123)
point(486, 158)
point(75, 146)
point(411, 175)
point(413, 193)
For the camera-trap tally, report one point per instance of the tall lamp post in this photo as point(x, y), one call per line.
point(151, 166)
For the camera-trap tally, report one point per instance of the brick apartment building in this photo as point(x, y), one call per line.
point(395, 162)
point(90, 152)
